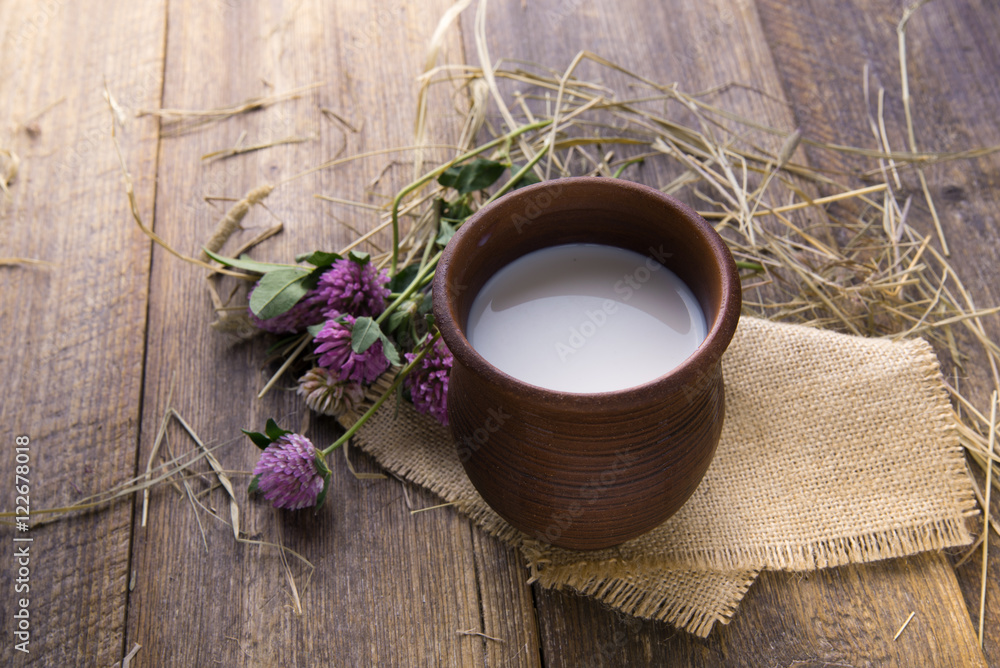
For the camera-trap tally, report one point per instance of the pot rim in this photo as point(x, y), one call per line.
point(701, 361)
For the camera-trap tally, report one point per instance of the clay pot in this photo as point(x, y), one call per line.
point(586, 471)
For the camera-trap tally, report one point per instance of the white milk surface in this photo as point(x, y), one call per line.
point(586, 318)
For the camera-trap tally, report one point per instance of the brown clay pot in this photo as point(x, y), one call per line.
point(586, 471)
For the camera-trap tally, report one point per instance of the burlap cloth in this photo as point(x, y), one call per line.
point(835, 450)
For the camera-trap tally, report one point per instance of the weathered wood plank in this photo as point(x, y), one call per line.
point(508, 607)
point(702, 45)
point(954, 68)
point(73, 330)
point(844, 616)
point(388, 588)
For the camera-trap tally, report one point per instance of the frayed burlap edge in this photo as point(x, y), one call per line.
point(625, 584)
point(829, 552)
point(693, 601)
point(811, 556)
point(654, 594)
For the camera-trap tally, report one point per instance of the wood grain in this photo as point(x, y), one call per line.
point(388, 588)
point(508, 606)
point(98, 341)
point(73, 330)
point(685, 43)
point(837, 617)
point(954, 67)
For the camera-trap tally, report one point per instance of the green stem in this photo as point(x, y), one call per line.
point(413, 287)
point(517, 177)
point(756, 266)
point(431, 242)
point(618, 172)
point(430, 176)
point(381, 400)
point(428, 266)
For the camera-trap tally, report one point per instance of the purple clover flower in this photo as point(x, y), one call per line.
point(428, 382)
point(308, 311)
point(289, 476)
point(355, 288)
point(336, 354)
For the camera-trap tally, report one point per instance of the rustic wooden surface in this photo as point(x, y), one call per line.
point(73, 331)
point(97, 341)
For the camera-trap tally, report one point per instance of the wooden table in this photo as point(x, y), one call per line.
point(95, 341)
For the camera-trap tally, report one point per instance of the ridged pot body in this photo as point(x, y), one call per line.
point(586, 471)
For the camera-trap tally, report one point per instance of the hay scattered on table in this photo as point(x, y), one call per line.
point(10, 165)
point(15, 261)
point(820, 248)
point(180, 121)
point(240, 149)
point(834, 252)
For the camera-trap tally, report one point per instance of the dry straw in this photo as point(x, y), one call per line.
point(830, 251)
point(180, 121)
point(818, 248)
point(10, 165)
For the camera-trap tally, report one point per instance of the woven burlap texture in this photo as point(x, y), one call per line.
point(835, 450)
